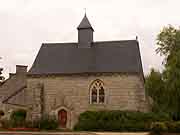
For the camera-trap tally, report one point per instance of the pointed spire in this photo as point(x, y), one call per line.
point(85, 33)
point(85, 24)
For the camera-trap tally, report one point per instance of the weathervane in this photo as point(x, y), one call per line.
point(85, 11)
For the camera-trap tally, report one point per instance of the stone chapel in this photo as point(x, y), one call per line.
point(67, 79)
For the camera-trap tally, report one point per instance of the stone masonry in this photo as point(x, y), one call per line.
point(71, 92)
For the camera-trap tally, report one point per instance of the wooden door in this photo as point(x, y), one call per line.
point(62, 118)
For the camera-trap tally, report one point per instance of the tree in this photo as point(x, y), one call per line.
point(168, 43)
point(155, 88)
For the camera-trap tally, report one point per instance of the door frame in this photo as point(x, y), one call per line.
point(56, 112)
point(59, 118)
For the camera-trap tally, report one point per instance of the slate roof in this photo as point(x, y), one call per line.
point(101, 57)
point(85, 24)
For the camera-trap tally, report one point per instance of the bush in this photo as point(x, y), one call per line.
point(47, 122)
point(118, 121)
point(177, 126)
point(18, 118)
point(173, 126)
point(158, 127)
point(18, 115)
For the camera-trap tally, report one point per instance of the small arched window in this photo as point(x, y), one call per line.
point(97, 92)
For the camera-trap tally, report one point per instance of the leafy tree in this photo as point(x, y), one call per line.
point(168, 43)
point(155, 87)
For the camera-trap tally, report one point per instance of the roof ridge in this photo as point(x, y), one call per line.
point(59, 43)
point(115, 41)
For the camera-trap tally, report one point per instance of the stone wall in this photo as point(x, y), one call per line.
point(71, 92)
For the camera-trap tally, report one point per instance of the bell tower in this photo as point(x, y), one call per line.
point(85, 33)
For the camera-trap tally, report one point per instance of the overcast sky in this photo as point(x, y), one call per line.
point(26, 24)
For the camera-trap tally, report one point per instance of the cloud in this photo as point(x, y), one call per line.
point(25, 24)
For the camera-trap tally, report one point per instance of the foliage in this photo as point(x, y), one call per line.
point(164, 88)
point(117, 121)
point(155, 88)
point(47, 122)
point(18, 118)
point(170, 126)
point(19, 114)
point(158, 127)
point(168, 43)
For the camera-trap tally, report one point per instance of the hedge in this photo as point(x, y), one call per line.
point(118, 121)
point(46, 122)
point(171, 127)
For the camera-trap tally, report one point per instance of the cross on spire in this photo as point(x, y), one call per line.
point(85, 11)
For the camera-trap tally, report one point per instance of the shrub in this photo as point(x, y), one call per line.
point(177, 126)
point(18, 115)
point(18, 118)
point(173, 126)
point(158, 127)
point(47, 122)
point(118, 121)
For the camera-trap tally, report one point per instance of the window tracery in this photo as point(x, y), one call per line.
point(97, 92)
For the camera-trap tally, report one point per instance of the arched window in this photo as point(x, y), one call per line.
point(101, 95)
point(97, 92)
point(94, 95)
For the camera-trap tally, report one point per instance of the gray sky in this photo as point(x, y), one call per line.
point(25, 24)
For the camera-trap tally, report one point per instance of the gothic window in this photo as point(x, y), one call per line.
point(94, 95)
point(97, 92)
point(101, 95)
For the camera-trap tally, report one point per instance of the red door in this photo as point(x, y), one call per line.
point(62, 118)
